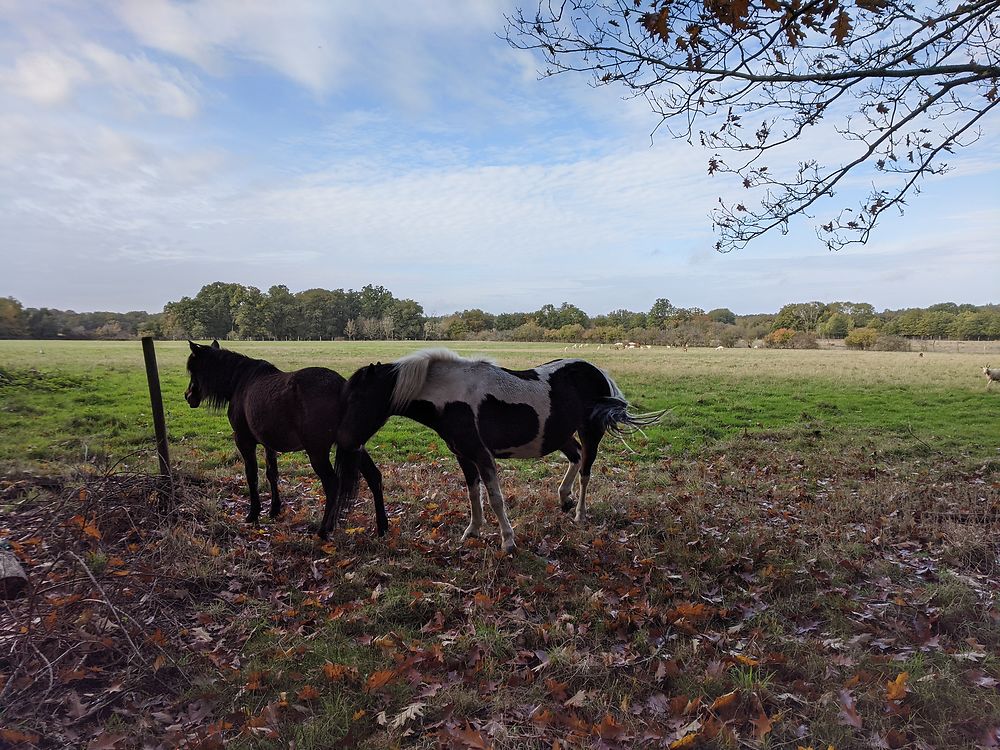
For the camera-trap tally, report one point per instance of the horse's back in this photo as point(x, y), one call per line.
point(317, 379)
point(291, 411)
point(517, 413)
point(472, 381)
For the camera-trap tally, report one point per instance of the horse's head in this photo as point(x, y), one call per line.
point(196, 366)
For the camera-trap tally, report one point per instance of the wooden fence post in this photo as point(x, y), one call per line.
point(156, 401)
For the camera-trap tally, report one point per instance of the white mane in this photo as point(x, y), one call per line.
point(411, 372)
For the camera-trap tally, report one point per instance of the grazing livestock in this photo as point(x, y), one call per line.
point(283, 411)
point(992, 375)
point(484, 412)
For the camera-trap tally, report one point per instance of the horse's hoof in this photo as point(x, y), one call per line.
point(568, 505)
point(470, 533)
point(510, 547)
point(579, 519)
point(275, 513)
point(253, 519)
point(324, 535)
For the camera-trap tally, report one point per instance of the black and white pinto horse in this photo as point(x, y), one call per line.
point(484, 412)
point(283, 411)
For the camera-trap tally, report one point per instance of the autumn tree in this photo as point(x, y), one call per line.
point(903, 85)
point(12, 319)
point(476, 320)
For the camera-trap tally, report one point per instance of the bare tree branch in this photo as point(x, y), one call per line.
point(906, 82)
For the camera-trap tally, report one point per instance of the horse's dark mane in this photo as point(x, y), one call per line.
point(221, 371)
point(373, 376)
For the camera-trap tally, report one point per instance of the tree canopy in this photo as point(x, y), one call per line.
point(903, 84)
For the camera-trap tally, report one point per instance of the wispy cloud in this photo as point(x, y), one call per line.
point(333, 144)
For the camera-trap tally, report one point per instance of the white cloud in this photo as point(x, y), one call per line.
point(428, 159)
point(43, 77)
point(135, 82)
point(319, 45)
point(143, 84)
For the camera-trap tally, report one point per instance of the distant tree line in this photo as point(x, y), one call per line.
point(18, 322)
point(235, 311)
point(946, 320)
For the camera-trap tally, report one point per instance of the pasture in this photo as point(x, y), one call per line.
point(72, 403)
point(803, 553)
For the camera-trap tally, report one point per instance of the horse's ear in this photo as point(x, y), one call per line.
point(194, 346)
point(215, 344)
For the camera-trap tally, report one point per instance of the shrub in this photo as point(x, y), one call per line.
point(861, 338)
point(886, 342)
point(803, 340)
point(779, 339)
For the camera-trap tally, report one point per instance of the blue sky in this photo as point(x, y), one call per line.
point(148, 147)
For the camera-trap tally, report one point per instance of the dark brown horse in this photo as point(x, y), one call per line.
point(283, 411)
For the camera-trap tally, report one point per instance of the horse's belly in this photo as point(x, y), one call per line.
point(277, 431)
point(531, 450)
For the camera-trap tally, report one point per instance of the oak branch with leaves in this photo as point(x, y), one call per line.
point(904, 84)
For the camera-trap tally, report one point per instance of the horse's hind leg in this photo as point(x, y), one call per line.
point(590, 437)
point(271, 469)
point(374, 479)
point(475, 486)
point(572, 452)
point(248, 449)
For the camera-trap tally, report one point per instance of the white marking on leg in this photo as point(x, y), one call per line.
point(476, 504)
point(581, 504)
point(497, 503)
point(566, 486)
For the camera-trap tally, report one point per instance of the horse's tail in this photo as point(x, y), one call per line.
point(612, 413)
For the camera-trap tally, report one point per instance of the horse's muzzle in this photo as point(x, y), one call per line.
point(192, 398)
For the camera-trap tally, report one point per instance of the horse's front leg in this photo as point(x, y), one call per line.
point(248, 449)
point(475, 486)
point(488, 471)
point(271, 469)
point(374, 479)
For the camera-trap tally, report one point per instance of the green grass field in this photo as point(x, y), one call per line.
point(67, 403)
point(805, 553)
